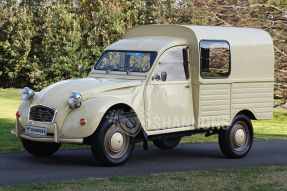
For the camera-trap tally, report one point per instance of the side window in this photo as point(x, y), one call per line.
point(175, 64)
point(214, 59)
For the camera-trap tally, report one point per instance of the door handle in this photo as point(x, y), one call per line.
point(187, 86)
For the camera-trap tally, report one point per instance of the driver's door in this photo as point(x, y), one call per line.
point(169, 101)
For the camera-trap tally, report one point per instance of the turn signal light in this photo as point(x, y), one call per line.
point(83, 121)
point(17, 114)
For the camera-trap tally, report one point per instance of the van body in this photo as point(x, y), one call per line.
point(159, 83)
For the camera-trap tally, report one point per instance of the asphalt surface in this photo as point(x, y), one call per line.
point(22, 168)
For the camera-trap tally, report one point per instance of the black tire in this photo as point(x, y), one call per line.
point(101, 145)
point(40, 148)
point(231, 146)
point(167, 143)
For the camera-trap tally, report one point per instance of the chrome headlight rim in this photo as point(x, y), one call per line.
point(75, 99)
point(27, 94)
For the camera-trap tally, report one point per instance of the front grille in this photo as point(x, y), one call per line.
point(42, 114)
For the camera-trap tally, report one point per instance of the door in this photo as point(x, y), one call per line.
point(169, 93)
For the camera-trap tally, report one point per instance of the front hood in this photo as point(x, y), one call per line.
point(57, 94)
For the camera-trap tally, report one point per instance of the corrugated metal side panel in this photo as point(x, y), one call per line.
point(214, 105)
point(256, 97)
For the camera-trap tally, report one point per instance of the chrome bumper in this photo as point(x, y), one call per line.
point(56, 138)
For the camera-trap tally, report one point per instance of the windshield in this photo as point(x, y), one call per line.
point(126, 61)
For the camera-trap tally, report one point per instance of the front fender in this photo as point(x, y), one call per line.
point(93, 111)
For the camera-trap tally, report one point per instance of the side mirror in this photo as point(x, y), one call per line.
point(156, 77)
point(163, 76)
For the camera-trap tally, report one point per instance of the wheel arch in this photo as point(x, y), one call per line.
point(247, 113)
point(126, 108)
point(141, 136)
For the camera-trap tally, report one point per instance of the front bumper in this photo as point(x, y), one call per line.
point(56, 138)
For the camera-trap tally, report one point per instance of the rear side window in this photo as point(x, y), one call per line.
point(214, 59)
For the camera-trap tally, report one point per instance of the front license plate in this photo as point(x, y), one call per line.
point(36, 130)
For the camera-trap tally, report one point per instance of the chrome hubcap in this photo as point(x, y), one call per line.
point(239, 136)
point(117, 141)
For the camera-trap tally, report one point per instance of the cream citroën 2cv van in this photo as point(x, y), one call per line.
point(160, 83)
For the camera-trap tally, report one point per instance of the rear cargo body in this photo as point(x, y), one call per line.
point(248, 87)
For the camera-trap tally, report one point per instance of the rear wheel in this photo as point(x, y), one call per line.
point(40, 148)
point(167, 143)
point(110, 144)
point(236, 141)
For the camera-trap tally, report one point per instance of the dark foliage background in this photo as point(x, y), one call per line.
point(44, 41)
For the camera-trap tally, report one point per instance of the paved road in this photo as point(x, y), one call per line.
point(22, 168)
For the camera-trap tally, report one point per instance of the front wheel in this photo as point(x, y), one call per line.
point(110, 144)
point(236, 140)
point(40, 148)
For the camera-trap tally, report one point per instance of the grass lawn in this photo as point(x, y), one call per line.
point(10, 90)
point(260, 178)
point(264, 130)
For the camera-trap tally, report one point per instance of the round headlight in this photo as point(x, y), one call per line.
point(27, 94)
point(75, 99)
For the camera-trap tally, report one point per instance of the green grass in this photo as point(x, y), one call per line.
point(264, 130)
point(260, 178)
point(8, 108)
point(10, 90)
